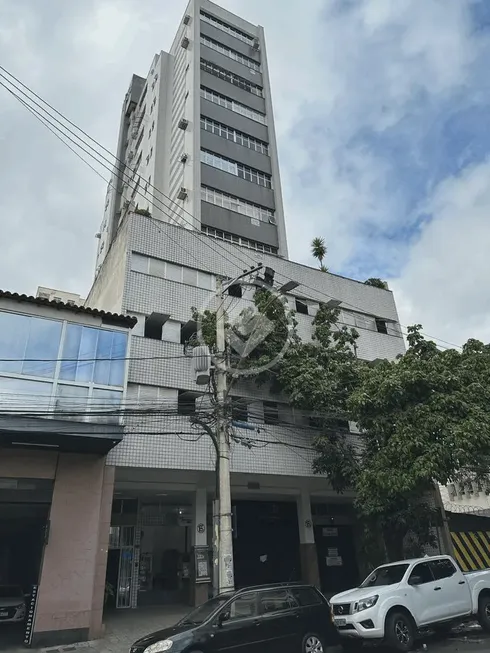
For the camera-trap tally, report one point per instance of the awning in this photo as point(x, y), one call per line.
point(58, 435)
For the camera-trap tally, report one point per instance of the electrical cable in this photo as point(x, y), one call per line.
point(161, 193)
point(111, 169)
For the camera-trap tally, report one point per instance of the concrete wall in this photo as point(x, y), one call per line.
point(108, 287)
point(27, 464)
point(72, 582)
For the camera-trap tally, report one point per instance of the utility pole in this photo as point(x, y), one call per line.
point(225, 536)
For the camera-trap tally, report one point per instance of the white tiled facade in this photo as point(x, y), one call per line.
point(162, 364)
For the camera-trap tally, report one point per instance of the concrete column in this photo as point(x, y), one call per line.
point(199, 591)
point(70, 598)
point(308, 555)
point(96, 627)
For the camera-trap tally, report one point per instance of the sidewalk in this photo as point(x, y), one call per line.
point(122, 628)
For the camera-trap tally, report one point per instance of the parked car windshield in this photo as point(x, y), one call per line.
point(10, 592)
point(206, 610)
point(389, 575)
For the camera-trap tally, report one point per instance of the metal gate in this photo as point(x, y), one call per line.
point(122, 538)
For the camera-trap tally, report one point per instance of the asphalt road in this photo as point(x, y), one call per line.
point(468, 640)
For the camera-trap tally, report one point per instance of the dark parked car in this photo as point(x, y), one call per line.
point(284, 618)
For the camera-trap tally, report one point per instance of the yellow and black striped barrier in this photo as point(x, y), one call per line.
point(472, 549)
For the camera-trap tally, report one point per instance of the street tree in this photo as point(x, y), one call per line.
point(425, 419)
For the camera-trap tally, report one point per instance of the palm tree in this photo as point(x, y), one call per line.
point(319, 251)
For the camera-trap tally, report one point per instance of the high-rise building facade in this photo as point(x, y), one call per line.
point(197, 144)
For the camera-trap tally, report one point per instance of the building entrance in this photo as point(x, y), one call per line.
point(24, 529)
point(266, 542)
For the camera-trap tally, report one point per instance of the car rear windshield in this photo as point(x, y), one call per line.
point(389, 575)
point(10, 591)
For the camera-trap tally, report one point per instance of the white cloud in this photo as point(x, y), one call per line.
point(345, 73)
point(445, 282)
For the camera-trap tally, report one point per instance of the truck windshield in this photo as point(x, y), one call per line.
point(389, 575)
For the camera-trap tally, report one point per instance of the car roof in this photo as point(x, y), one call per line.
point(412, 561)
point(272, 586)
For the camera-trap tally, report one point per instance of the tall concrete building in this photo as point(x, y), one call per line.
point(197, 144)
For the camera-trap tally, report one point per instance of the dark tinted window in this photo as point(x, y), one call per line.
point(389, 575)
point(442, 569)
point(423, 572)
point(306, 596)
point(243, 607)
point(276, 601)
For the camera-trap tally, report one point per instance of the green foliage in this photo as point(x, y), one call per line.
point(424, 418)
point(318, 377)
point(319, 251)
point(144, 212)
point(269, 350)
point(377, 283)
point(207, 322)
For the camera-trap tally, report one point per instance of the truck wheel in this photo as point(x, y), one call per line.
point(399, 632)
point(484, 612)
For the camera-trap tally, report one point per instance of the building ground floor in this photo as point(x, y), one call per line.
point(85, 540)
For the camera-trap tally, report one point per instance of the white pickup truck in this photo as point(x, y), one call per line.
point(398, 600)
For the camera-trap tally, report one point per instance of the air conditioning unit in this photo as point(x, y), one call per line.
point(184, 157)
point(272, 220)
point(183, 124)
point(182, 195)
point(256, 45)
point(185, 43)
point(98, 234)
point(130, 155)
point(187, 19)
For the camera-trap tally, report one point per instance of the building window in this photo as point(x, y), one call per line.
point(188, 332)
point(381, 326)
point(230, 104)
point(67, 362)
point(233, 31)
point(238, 240)
point(230, 77)
point(239, 409)
point(238, 169)
point(93, 355)
point(301, 307)
point(27, 342)
point(154, 325)
point(271, 412)
point(228, 52)
point(235, 290)
point(186, 403)
point(236, 204)
point(234, 135)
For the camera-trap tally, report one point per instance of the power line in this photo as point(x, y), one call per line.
point(167, 208)
point(111, 170)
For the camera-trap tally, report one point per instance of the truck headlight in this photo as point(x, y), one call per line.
point(364, 604)
point(159, 647)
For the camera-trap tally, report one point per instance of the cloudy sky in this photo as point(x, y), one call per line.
point(384, 139)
